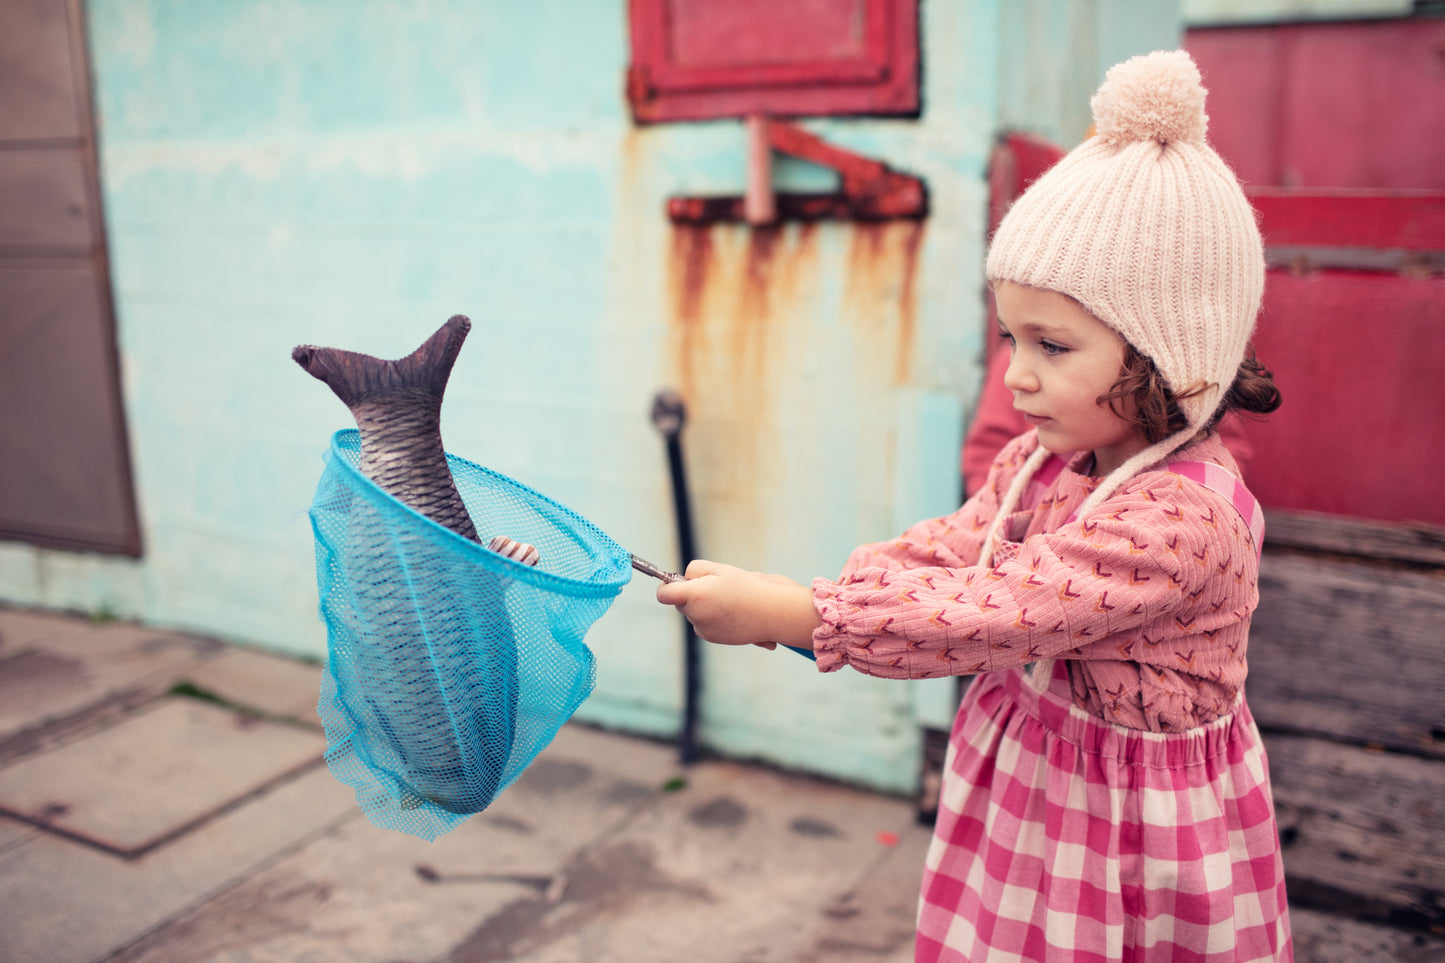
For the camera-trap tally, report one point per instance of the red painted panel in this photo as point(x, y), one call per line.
point(1360, 362)
point(1243, 73)
point(1404, 220)
point(700, 59)
point(1353, 104)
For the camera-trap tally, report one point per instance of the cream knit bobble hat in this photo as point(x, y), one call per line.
point(1146, 227)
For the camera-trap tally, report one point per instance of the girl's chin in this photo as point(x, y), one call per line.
point(1054, 442)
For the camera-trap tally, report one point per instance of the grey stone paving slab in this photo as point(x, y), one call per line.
point(55, 673)
point(163, 769)
point(62, 901)
point(13, 833)
point(743, 864)
point(585, 858)
point(36, 685)
point(269, 684)
point(120, 651)
point(20, 628)
point(874, 920)
point(366, 894)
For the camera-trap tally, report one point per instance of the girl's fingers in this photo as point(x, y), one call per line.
point(673, 593)
point(699, 567)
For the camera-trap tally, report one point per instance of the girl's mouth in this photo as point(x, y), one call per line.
point(1035, 419)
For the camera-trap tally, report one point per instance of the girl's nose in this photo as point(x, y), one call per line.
point(1018, 377)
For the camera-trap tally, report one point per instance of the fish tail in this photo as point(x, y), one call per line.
point(397, 405)
point(359, 379)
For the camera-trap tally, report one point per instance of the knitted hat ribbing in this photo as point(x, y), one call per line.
point(1146, 227)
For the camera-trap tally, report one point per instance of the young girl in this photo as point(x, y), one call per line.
point(1106, 795)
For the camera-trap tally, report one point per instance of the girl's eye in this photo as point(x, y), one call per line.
point(1005, 336)
point(1050, 348)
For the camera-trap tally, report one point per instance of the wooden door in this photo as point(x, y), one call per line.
point(65, 478)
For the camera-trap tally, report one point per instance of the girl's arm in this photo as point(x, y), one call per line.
point(1152, 554)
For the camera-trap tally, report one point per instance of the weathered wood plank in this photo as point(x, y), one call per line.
point(1361, 830)
point(1329, 938)
point(1350, 649)
point(1339, 534)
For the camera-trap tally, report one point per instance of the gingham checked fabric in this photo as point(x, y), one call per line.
point(1064, 837)
point(1222, 480)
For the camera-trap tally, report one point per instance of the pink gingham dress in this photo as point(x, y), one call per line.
point(1064, 837)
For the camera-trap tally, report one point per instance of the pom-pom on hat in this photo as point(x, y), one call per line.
point(1146, 227)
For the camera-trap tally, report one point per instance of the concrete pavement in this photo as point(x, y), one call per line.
point(163, 798)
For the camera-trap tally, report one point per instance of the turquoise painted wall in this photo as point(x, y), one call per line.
point(353, 173)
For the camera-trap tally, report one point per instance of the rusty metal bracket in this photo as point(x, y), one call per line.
point(870, 190)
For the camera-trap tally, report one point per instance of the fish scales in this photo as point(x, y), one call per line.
point(439, 701)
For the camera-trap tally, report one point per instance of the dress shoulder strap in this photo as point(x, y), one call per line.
point(1224, 482)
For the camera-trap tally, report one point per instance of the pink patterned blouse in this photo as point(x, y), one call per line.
point(1149, 597)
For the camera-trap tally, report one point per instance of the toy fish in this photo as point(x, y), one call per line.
point(417, 664)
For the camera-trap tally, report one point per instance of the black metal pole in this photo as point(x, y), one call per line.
point(669, 414)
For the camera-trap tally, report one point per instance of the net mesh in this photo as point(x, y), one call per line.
point(448, 666)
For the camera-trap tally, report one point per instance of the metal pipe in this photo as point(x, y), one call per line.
point(669, 415)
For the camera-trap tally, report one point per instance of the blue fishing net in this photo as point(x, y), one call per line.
point(449, 667)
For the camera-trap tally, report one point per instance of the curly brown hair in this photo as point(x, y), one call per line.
point(1141, 395)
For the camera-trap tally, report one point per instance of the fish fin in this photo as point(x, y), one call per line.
point(358, 378)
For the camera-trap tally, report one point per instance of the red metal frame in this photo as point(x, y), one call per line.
point(878, 77)
point(870, 189)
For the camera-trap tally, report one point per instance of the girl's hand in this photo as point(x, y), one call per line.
point(730, 606)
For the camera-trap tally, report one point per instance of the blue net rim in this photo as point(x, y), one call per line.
point(607, 582)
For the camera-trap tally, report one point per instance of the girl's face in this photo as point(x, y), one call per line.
point(1062, 360)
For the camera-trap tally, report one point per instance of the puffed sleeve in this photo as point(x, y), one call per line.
point(1123, 567)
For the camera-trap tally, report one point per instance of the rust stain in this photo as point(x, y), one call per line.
point(725, 310)
point(758, 271)
point(689, 267)
point(734, 314)
point(692, 250)
point(881, 290)
point(755, 319)
point(630, 155)
point(911, 242)
point(805, 255)
point(743, 307)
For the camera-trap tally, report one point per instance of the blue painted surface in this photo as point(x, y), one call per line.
point(354, 173)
